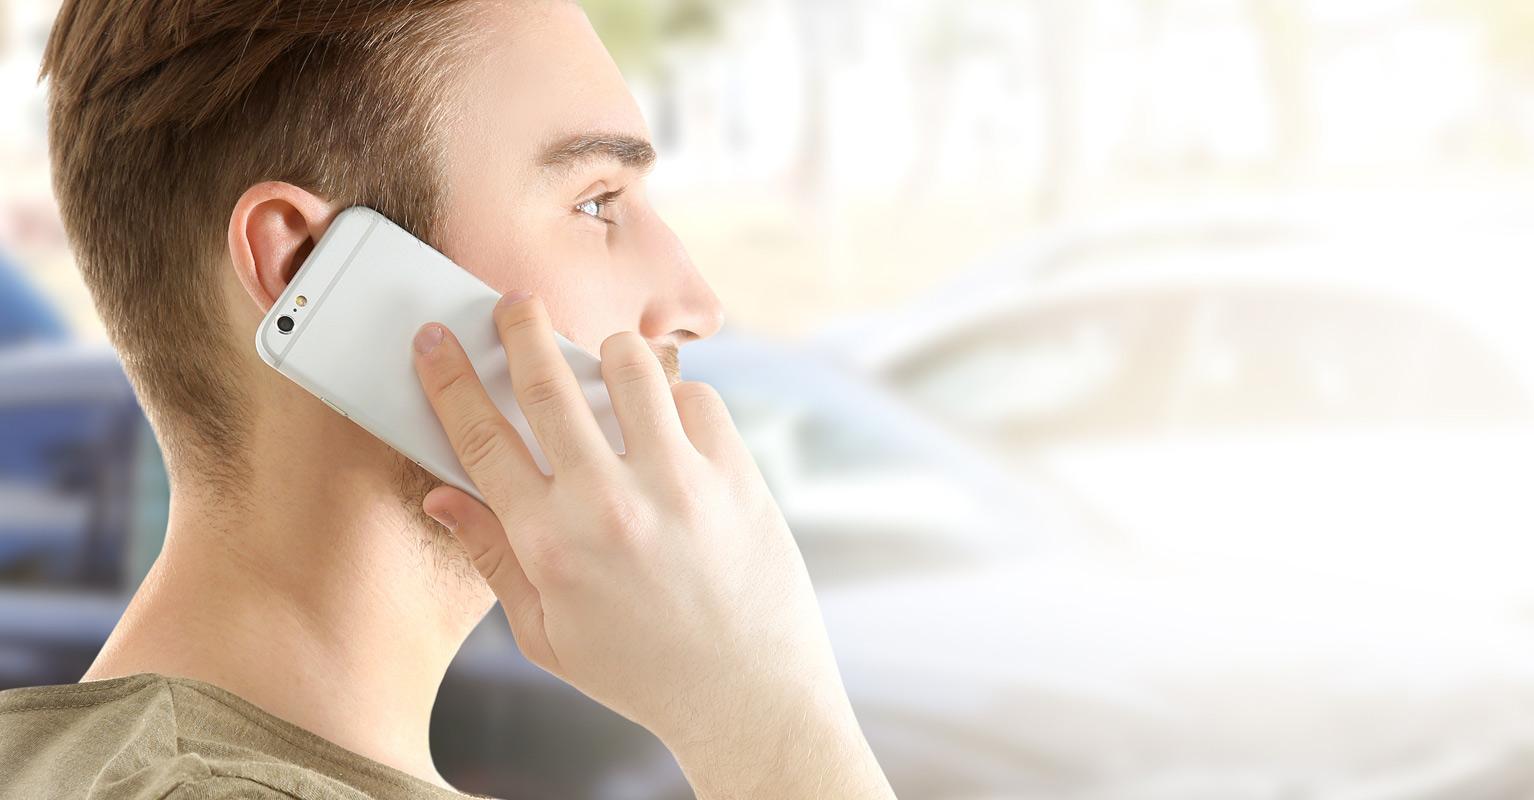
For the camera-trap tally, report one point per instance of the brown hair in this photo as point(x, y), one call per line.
point(162, 113)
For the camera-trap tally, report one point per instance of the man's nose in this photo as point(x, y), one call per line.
point(683, 305)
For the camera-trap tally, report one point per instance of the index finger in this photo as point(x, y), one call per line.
point(487, 445)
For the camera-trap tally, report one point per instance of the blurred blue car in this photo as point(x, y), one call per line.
point(73, 444)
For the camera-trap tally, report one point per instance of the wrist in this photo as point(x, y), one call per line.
point(799, 740)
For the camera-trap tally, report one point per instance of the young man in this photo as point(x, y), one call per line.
point(291, 637)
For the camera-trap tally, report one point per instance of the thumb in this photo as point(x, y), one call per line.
point(480, 533)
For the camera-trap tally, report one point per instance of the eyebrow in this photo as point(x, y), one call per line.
point(574, 150)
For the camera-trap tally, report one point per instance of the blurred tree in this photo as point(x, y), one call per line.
point(637, 32)
point(1504, 127)
point(1062, 24)
point(1284, 29)
point(5, 27)
point(949, 35)
point(643, 34)
point(952, 35)
point(1508, 26)
point(809, 173)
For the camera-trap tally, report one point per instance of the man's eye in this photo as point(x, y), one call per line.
point(598, 207)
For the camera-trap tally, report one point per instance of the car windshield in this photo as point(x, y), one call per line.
point(1153, 360)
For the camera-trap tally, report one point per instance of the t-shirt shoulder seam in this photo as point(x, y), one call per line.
point(20, 709)
point(83, 695)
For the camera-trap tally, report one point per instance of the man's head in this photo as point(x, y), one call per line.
point(200, 147)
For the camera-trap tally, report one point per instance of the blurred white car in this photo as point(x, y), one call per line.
point(1273, 395)
point(1312, 449)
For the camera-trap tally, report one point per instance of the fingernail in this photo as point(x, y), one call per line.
point(427, 339)
point(445, 519)
point(514, 297)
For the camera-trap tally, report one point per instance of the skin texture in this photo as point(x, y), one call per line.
point(328, 560)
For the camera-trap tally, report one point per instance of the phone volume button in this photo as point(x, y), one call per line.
point(334, 408)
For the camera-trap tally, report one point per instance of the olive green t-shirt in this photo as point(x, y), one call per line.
point(148, 737)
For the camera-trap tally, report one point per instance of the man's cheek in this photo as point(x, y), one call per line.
point(573, 272)
point(505, 257)
point(583, 325)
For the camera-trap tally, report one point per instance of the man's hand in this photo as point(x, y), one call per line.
point(663, 582)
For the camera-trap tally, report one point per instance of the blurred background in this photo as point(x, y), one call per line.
point(1147, 383)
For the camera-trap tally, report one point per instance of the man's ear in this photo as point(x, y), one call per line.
point(272, 230)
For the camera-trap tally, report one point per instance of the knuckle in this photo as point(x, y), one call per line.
point(619, 519)
point(542, 392)
point(452, 381)
point(689, 508)
point(479, 443)
point(554, 564)
point(490, 564)
point(561, 451)
point(518, 322)
point(631, 372)
point(627, 359)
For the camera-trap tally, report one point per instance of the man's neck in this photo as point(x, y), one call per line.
point(325, 605)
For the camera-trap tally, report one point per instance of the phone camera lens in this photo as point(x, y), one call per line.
point(285, 324)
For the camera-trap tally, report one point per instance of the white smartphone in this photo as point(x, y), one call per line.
point(343, 330)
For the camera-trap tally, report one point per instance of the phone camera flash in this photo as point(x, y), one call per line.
point(301, 301)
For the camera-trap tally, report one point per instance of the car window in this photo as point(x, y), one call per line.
point(1282, 357)
point(1084, 368)
point(58, 481)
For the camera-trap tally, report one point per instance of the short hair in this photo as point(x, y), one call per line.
point(163, 112)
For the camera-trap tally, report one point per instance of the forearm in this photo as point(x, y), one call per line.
point(805, 748)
